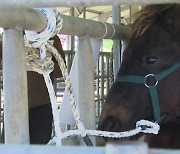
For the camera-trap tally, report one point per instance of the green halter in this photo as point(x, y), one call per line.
point(152, 88)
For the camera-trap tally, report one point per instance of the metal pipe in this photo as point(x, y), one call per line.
point(35, 20)
point(94, 29)
point(85, 84)
point(1, 122)
point(26, 19)
point(116, 16)
point(15, 88)
point(62, 3)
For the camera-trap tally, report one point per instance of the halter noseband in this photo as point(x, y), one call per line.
point(152, 88)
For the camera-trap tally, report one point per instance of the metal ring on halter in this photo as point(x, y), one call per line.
point(145, 80)
point(105, 31)
point(113, 31)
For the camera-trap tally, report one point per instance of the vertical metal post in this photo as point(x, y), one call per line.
point(15, 88)
point(102, 77)
point(85, 83)
point(72, 38)
point(116, 43)
point(84, 13)
point(0, 105)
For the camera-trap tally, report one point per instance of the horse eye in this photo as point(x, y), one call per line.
point(151, 60)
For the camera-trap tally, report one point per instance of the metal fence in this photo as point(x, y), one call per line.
point(102, 81)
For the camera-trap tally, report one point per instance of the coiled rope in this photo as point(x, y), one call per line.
point(40, 40)
point(43, 64)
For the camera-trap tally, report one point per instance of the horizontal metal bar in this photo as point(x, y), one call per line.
point(21, 149)
point(26, 19)
point(35, 20)
point(82, 27)
point(62, 3)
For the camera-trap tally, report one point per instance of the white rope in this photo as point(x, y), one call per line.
point(69, 88)
point(37, 39)
point(149, 127)
point(141, 126)
point(54, 109)
point(42, 66)
point(54, 24)
point(41, 40)
point(53, 99)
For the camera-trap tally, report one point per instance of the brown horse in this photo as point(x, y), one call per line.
point(147, 84)
point(40, 113)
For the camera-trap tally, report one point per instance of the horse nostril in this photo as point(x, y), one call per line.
point(110, 124)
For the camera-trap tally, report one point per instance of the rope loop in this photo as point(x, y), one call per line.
point(42, 66)
point(144, 126)
point(148, 126)
point(41, 62)
point(41, 59)
point(54, 24)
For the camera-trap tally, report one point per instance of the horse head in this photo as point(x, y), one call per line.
point(151, 60)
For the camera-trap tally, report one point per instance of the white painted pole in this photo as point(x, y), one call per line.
point(15, 88)
point(27, 19)
point(116, 16)
point(85, 83)
point(35, 20)
point(41, 149)
point(94, 29)
point(0, 104)
point(127, 148)
point(69, 3)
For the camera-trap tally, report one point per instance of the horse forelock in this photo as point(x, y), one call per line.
point(145, 18)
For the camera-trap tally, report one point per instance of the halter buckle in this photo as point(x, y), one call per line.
point(145, 80)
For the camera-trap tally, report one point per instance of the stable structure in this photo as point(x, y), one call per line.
point(13, 48)
point(81, 28)
point(60, 3)
point(109, 149)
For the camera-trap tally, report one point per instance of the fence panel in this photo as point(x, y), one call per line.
point(102, 81)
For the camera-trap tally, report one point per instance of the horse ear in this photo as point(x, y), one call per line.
point(170, 21)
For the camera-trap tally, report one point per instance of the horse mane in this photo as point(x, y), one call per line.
point(145, 18)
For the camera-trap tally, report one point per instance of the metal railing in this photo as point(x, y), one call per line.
point(103, 78)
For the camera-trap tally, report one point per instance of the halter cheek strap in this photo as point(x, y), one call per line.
point(152, 88)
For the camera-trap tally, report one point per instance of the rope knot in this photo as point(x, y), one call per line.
point(42, 66)
point(40, 59)
point(148, 127)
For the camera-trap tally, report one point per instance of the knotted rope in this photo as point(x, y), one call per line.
point(41, 40)
point(42, 63)
point(142, 126)
point(41, 66)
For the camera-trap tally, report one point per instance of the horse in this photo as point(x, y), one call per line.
point(147, 85)
point(40, 112)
